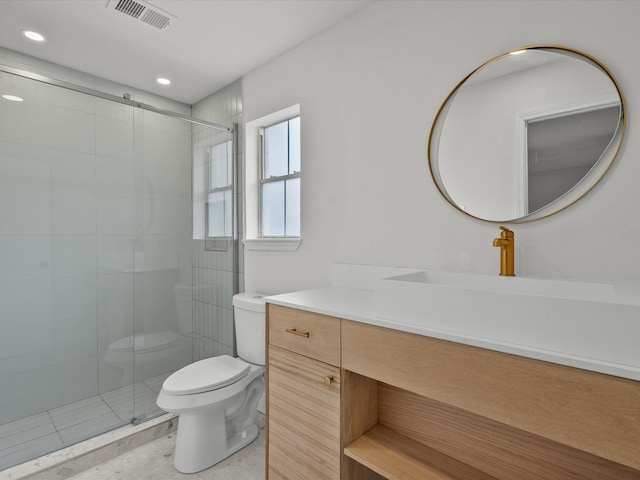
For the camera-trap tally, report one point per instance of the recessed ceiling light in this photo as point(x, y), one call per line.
point(35, 36)
point(163, 81)
point(13, 98)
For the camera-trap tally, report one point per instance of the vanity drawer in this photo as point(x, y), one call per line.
point(310, 334)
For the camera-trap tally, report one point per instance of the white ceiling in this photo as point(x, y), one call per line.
point(213, 42)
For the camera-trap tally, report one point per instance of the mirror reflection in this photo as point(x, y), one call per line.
point(526, 134)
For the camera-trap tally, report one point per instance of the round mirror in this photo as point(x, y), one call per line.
point(526, 134)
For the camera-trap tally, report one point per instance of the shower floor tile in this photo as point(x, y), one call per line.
point(45, 432)
point(25, 451)
point(155, 383)
point(89, 428)
point(76, 413)
point(22, 439)
point(26, 428)
point(131, 401)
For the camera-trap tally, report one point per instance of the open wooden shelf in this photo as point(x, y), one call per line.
point(397, 457)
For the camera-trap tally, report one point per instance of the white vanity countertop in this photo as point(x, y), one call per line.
point(359, 305)
point(348, 303)
point(353, 304)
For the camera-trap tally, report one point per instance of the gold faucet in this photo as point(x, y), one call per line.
point(506, 243)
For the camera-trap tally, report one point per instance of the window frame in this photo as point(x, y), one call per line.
point(262, 180)
point(219, 242)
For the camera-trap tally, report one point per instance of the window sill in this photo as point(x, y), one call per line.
point(216, 244)
point(272, 244)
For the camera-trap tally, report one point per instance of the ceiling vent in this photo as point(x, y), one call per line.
point(145, 12)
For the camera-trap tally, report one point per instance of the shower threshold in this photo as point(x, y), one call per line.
point(69, 461)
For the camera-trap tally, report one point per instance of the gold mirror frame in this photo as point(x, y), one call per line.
point(586, 184)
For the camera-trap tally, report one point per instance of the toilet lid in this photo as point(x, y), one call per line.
point(206, 375)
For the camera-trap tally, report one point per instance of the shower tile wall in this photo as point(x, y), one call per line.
point(47, 249)
point(213, 275)
point(95, 239)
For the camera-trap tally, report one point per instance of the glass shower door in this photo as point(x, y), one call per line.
point(97, 266)
point(162, 257)
point(63, 178)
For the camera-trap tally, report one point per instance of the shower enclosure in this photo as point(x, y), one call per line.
point(99, 266)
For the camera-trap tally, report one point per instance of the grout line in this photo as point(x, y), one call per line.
point(53, 424)
point(109, 406)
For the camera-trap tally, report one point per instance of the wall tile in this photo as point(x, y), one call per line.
point(115, 176)
point(73, 255)
point(18, 308)
point(46, 125)
point(115, 215)
point(114, 137)
point(25, 256)
point(74, 296)
point(25, 212)
point(73, 213)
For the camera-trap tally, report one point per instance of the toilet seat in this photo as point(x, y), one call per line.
point(206, 375)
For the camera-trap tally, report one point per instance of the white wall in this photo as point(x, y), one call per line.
point(369, 90)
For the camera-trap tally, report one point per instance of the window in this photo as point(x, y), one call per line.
point(280, 179)
point(219, 206)
point(271, 220)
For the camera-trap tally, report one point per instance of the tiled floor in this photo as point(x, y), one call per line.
point(45, 432)
point(154, 461)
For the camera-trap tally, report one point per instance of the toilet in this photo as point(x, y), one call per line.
point(217, 398)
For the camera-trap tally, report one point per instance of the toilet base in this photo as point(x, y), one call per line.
point(215, 424)
point(201, 442)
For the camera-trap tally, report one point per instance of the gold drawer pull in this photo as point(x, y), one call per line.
point(297, 332)
point(328, 380)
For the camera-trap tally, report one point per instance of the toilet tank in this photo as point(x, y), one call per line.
point(249, 315)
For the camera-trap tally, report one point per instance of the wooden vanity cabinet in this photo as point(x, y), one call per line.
point(303, 395)
point(352, 401)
